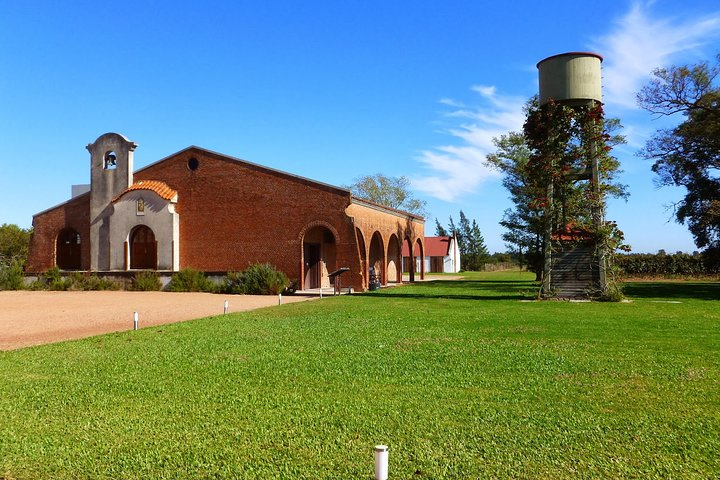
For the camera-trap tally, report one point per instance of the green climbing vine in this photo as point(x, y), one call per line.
point(564, 141)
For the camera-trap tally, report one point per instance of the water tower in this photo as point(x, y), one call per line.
point(573, 79)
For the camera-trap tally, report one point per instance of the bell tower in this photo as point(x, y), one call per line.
point(111, 173)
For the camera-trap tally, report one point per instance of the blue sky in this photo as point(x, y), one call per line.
point(329, 90)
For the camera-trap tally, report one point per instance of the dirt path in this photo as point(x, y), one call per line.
point(33, 318)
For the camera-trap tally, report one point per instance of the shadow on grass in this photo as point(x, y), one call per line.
point(463, 290)
point(674, 290)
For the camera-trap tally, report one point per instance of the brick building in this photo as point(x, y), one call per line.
point(215, 213)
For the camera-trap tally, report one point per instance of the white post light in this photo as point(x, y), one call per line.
point(279, 298)
point(381, 462)
point(227, 306)
point(135, 320)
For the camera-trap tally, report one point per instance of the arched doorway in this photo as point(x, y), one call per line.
point(143, 249)
point(67, 250)
point(419, 253)
point(377, 258)
point(394, 259)
point(408, 260)
point(319, 254)
point(363, 256)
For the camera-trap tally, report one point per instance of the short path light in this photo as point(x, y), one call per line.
point(279, 298)
point(135, 320)
point(381, 462)
point(227, 306)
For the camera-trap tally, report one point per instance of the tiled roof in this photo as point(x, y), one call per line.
point(434, 247)
point(160, 188)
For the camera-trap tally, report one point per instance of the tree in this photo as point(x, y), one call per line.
point(523, 224)
point(473, 252)
point(477, 253)
point(393, 192)
point(14, 243)
point(564, 133)
point(439, 229)
point(689, 154)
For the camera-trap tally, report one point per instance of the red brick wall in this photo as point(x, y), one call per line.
point(46, 227)
point(233, 214)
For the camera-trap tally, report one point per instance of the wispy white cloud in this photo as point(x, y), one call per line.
point(458, 169)
point(640, 42)
point(636, 43)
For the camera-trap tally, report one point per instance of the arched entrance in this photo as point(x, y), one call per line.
point(143, 249)
point(394, 259)
point(319, 254)
point(363, 256)
point(377, 258)
point(419, 253)
point(67, 250)
point(408, 260)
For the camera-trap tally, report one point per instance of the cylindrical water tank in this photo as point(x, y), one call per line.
point(573, 78)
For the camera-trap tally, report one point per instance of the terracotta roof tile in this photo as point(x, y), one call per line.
point(160, 188)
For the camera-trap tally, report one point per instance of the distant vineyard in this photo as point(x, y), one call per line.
point(662, 264)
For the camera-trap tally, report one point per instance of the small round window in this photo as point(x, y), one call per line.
point(193, 163)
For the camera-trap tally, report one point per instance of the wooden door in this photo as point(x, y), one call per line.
point(67, 252)
point(143, 249)
point(311, 252)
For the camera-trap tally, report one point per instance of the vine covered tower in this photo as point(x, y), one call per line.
point(573, 261)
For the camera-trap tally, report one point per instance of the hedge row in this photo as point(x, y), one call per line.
point(661, 264)
point(258, 279)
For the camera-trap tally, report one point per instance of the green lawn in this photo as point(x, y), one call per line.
point(462, 379)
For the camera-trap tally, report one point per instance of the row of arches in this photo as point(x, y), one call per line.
point(380, 258)
point(383, 259)
point(141, 242)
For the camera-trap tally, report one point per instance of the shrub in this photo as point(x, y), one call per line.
point(258, 279)
point(190, 280)
point(11, 276)
point(146, 282)
point(93, 282)
point(77, 281)
point(291, 288)
point(53, 280)
point(233, 283)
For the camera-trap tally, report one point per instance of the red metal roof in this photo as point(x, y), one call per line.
point(160, 188)
point(434, 247)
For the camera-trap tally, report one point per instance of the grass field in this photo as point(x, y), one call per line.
point(462, 379)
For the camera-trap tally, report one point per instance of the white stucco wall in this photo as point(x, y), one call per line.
point(159, 216)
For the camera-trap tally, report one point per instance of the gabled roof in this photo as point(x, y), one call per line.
point(437, 246)
point(160, 188)
point(434, 247)
point(254, 166)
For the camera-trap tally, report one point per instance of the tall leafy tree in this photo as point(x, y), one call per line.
point(14, 242)
point(689, 155)
point(393, 192)
point(523, 224)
